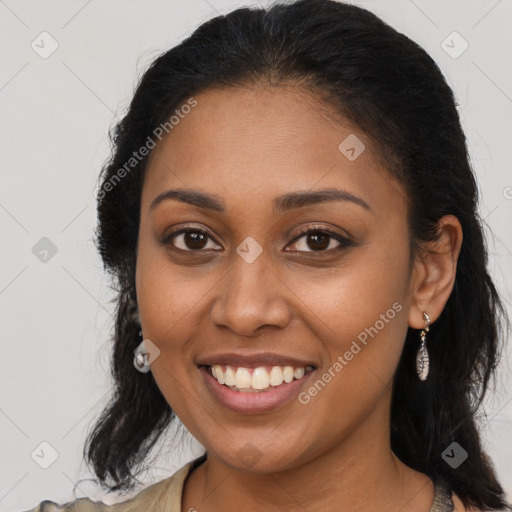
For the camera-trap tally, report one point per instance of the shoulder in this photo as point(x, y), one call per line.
point(78, 505)
point(459, 506)
point(161, 496)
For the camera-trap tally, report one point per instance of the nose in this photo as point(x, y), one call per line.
point(251, 296)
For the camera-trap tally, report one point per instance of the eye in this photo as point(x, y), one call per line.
point(190, 240)
point(320, 240)
point(315, 240)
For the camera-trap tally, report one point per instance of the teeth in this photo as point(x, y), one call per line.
point(298, 373)
point(260, 379)
point(288, 373)
point(276, 376)
point(219, 374)
point(242, 378)
point(229, 376)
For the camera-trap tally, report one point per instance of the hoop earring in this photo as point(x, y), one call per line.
point(422, 359)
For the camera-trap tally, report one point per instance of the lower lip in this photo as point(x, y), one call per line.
point(253, 403)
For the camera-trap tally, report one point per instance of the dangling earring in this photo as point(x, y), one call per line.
point(422, 360)
point(141, 357)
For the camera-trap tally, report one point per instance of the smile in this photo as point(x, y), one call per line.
point(255, 380)
point(257, 390)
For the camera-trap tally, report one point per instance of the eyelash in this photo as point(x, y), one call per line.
point(344, 241)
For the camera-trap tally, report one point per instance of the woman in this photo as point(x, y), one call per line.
point(290, 218)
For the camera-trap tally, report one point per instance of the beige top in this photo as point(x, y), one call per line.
point(165, 496)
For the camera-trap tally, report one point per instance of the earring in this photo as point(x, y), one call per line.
point(141, 357)
point(422, 360)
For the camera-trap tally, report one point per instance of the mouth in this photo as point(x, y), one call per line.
point(261, 379)
point(255, 389)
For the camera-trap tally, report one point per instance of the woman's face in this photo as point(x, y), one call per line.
point(242, 287)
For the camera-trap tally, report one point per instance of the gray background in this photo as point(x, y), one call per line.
point(56, 111)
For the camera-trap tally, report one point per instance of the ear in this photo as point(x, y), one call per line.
point(434, 271)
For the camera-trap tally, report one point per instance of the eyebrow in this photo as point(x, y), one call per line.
point(282, 203)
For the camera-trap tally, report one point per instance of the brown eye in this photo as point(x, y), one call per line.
point(315, 240)
point(318, 241)
point(190, 240)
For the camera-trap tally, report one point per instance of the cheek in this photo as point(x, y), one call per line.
point(167, 305)
point(361, 321)
point(359, 312)
point(167, 300)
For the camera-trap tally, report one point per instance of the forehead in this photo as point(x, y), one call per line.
point(263, 142)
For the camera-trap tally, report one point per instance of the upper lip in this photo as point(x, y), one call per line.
point(253, 360)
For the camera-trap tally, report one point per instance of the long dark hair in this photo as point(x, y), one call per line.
point(391, 88)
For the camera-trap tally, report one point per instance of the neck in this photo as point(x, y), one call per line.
point(361, 473)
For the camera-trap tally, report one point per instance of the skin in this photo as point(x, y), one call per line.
point(247, 146)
